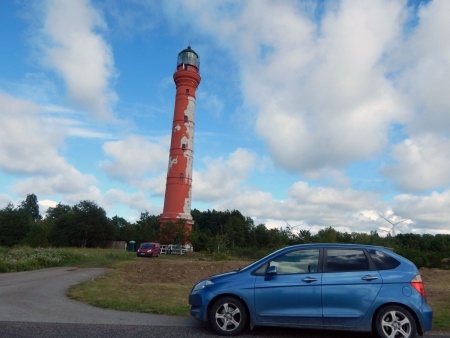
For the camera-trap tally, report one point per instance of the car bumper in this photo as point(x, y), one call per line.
point(144, 254)
point(426, 317)
point(199, 304)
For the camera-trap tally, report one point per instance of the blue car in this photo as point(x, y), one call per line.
point(322, 286)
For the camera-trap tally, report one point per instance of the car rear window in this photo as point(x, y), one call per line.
point(341, 260)
point(383, 261)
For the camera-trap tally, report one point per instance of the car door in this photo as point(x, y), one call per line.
point(288, 289)
point(349, 286)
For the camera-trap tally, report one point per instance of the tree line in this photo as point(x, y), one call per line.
point(222, 233)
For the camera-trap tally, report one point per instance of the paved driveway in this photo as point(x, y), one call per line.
point(40, 296)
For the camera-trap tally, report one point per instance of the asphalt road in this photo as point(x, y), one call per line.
point(34, 304)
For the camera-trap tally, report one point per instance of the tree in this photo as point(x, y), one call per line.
point(200, 239)
point(14, 225)
point(61, 221)
point(147, 228)
point(39, 233)
point(58, 211)
point(328, 235)
point(31, 206)
point(123, 230)
point(304, 236)
point(174, 232)
point(262, 236)
point(91, 226)
point(83, 225)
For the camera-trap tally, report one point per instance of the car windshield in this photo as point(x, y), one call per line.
point(147, 246)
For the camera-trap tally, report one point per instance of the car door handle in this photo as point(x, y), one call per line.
point(309, 279)
point(369, 278)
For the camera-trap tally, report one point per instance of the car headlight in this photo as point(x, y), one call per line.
point(202, 285)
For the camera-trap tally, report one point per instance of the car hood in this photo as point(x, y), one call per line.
point(220, 276)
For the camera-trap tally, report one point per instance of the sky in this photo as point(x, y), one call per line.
point(312, 114)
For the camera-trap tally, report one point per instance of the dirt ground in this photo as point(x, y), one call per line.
point(159, 270)
point(191, 269)
point(437, 284)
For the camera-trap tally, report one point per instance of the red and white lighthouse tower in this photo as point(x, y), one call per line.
point(177, 200)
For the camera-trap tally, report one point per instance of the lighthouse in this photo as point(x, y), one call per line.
point(177, 199)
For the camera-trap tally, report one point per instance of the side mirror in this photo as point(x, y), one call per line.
point(271, 270)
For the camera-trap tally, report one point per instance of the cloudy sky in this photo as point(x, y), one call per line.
point(311, 113)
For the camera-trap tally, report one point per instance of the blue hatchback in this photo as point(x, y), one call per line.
point(323, 286)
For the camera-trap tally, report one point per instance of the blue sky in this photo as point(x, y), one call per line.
point(312, 113)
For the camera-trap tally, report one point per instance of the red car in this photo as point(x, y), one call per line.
point(149, 250)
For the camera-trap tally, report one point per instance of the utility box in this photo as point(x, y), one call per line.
point(131, 246)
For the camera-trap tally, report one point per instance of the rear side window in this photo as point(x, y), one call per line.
point(383, 261)
point(341, 260)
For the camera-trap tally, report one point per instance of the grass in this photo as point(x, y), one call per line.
point(25, 258)
point(438, 296)
point(162, 285)
point(441, 312)
point(114, 292)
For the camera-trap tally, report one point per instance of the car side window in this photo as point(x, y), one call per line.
point(299, 261)
point(383, 261)
point(340, 260)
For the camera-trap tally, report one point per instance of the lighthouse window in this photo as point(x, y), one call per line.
point(186, 119)
point(183, 146)
point(181, 176)
point(187, 91)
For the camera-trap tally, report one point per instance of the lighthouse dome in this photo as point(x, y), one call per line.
point(188, 56)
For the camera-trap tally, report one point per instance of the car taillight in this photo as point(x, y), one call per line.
point(417, 284)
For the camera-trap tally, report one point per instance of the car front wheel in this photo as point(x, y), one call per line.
point(395, 322)
point(228, 316)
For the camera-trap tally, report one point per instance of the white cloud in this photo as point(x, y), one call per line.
point(424, 61)
point(134, 157)
point(75, 49)
point(69, 122)
point(30, 147)
point(44, 205)
point(429, 213)
point(423, 64)
point(25, 148)
point(5, 200)
point(131, 204)
point(66, 181)
point(422, 163)
point(325, 100)
point(319, 207)
point(223, 177)
point(346, 210)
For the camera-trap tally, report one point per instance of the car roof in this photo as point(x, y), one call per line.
point(337, 245)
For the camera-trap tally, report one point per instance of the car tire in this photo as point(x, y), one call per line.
point(395, 321)
point(228, 316)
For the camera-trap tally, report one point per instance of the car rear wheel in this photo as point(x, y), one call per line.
point(228, 316)
point(395, 322)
